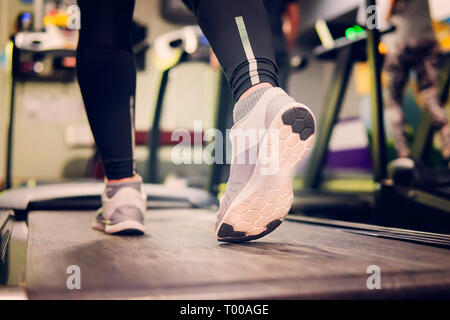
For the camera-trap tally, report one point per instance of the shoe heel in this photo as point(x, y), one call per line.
point(301, 121)
point(296, 127)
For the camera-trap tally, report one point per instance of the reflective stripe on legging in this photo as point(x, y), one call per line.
point(252, 63)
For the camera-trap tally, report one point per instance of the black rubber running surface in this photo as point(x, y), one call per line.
point(180, 258)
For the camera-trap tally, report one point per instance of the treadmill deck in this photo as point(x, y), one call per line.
point(181, 259)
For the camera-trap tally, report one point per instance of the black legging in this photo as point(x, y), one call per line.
point(237, 30)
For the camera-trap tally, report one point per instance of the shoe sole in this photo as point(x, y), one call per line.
point(121, 228)
point(266, 199)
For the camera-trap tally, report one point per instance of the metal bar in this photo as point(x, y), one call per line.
point(152, 172)
point(38, 11)
point(224, 105)
point(10, 138)
point(425, 198)
point(313, 175)
point(369, 227)
point(423, 137)
point(378, 133)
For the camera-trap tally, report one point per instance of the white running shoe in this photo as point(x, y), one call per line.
point(259, 192)
point(123, 213)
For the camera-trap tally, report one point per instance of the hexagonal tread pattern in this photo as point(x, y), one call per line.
point(265, 209)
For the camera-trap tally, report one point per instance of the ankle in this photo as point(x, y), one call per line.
point(248, 101)
point(255, 88)
point(136, 177)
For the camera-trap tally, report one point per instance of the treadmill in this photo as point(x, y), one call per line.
point(393, 203)
point(345, 52)
point(179, 257)
point(422, 186)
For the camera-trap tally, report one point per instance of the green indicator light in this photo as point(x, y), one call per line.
point(350, 34)
point(354, 32)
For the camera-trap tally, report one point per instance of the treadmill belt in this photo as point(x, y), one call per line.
point(181, 259)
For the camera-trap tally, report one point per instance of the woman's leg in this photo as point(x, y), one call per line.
point(107, 77)
point(240, 36)
point(272, 132)
point(428, 73)
point(397, 72)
